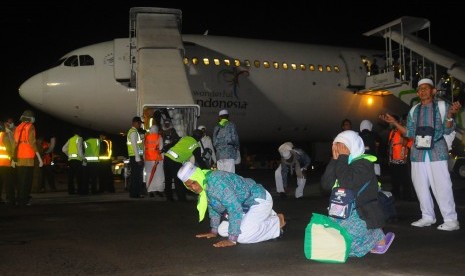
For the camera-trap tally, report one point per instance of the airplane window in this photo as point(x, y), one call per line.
point(266, 64)
point(227, 62)
point(86, 60)
point(311, 67)
point(293, 66)
point(302, 67)
point(320, 68)
point(206, 61)
point(285, 67)
point(328, 68)
point(195, 61)
point(275, 65)
point(237, 63)
point(72, 61)
point(336, 69)
point(257, 63)
point(216, 61)
point(186, 61)
point(247, 63)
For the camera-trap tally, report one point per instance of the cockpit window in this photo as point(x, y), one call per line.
point(86, 60)
point(58, 63)
point(72, 61)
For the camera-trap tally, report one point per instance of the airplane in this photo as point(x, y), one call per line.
point(274, 91)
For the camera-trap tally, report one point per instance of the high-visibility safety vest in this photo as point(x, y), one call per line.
point(398, 147)
point(47, 157)
point(25, 150)
point(107, 145)
point(92, 149)
point(152, 147)
point(5, 158)
point(140, 144)
point(73, 148)
point(183, 149)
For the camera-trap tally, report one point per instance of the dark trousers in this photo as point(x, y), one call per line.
point(135, 189)
point(171, 169)
point(105, 176)
point(90, 177)
point(401, 179)
point(48, 176)
point(24, 183)
point(75, 173)
point(6, 178)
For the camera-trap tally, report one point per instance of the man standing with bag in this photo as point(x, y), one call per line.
point(429, 156)
point(226, 143)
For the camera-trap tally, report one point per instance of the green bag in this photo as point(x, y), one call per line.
point(326, 241)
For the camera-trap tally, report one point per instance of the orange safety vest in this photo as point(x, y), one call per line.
point(5, 159)
point(25, 150)
point(398, 147)
point(47, 158)
point(152, 147)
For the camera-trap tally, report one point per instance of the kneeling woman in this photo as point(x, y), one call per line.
point(351, 169)
point(249, 207)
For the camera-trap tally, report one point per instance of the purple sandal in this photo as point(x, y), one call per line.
point(381, 249)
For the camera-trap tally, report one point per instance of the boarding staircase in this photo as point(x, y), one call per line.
point(410, 57)
point(157, 69)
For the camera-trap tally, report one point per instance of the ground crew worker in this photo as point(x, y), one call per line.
point(91, 153)
point(135, 146)
point(73, 149)
point(47, 170)
point(10, 186)
point(6, 151)
point(26, 151)
point(105, 173)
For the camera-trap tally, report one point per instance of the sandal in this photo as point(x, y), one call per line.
point(381, 249)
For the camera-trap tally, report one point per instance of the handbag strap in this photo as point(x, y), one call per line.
point(363, 188)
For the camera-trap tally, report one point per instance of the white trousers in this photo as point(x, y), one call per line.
point(278, 177)
point(260, 223)
point(435, 175)
point(158, 181)
point(226, 165)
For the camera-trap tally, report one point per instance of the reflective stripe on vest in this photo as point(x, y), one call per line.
point(5, 159)
point(92, 149)
point(139, 142)
point(73, 148)
point(107, 154)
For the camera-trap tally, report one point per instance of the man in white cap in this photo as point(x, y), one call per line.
point(426, 125)
point(207, 149)
point(292, 159)
point(226, 143)
point(246, 204)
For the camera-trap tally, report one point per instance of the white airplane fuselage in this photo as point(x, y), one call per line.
point(267, 104)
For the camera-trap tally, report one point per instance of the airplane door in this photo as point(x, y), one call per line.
point(356, 71)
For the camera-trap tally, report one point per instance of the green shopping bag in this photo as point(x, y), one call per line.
point(326, 241)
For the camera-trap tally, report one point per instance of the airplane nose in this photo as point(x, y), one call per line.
point(32, 90)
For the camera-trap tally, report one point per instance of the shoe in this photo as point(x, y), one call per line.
point(160, 194)
point(381, 249)
point(423, 222)
point(151, 194)
point(449, 226)
point(282, 195)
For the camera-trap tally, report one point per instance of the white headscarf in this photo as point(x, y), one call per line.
point(366, 124)
point(352, 141)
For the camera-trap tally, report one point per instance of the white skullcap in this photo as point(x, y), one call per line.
point(366, 124)
point(186, 171)
point(223, 112)
point(285, 149)
point(201, 127)
point(352, 141)
point(427, 81)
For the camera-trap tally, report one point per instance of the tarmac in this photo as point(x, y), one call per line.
point(112, 234)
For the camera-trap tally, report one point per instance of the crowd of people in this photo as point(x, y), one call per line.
point(240, 209)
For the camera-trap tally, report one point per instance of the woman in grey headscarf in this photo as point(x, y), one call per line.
point(350, 168)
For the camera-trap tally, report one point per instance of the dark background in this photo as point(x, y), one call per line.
point(34, 36)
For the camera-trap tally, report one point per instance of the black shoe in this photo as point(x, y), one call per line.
point(160, 194)
point(151, 194)
point(282, 195)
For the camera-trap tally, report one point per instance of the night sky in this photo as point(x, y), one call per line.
point(37, 35)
